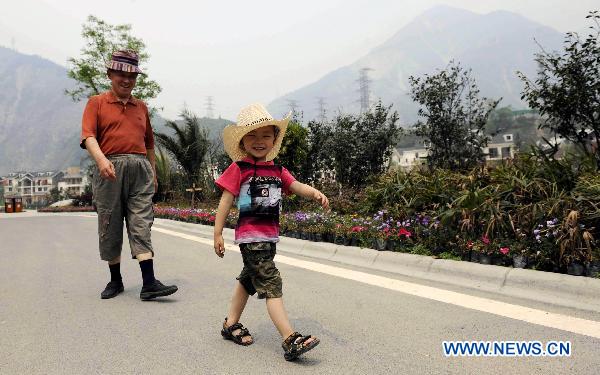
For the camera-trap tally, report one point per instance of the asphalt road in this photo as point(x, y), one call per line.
point(52, 320)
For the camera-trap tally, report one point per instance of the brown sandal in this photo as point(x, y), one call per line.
point(295, 345)
point(227, 333)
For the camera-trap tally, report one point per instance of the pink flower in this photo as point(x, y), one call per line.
point(504, 250)
point(485, 239)
point(469, 244)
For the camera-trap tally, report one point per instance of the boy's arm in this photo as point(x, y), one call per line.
point(222, 212)
point(309, 192)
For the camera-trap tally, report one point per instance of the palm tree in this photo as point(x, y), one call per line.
point(188, 146)
point(163, 173)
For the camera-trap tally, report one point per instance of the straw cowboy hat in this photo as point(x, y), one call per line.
point(250, 118)
point(125, 61)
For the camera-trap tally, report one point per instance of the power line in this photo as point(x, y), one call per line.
point(322, 111)
point(364, 83)
point(209, 105)
point(293, 106)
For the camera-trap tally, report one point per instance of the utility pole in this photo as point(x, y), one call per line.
point(209, 105)
point(322, 111)
point(293, 106)
point(364, 88)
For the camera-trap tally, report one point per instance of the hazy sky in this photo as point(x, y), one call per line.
point(242, 52)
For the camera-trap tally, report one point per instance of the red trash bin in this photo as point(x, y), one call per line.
point(18, 204)
point(8, 205)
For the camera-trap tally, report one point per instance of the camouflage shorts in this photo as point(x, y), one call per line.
point(260, 274)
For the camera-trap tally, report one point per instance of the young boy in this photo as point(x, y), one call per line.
point(257, 183)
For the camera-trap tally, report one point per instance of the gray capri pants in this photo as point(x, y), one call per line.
point(128, 197)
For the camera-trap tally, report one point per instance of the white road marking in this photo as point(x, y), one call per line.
point(535, 316)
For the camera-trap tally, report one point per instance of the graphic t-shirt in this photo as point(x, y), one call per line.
point(258, 188)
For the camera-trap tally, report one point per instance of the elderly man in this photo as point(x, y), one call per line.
point(117, 133)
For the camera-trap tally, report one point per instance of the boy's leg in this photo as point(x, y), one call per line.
point(236, 308)
point(280, 318)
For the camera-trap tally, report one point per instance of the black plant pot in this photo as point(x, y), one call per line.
point(318, 237)
point(353, 241)
point(575, 269)
point(465, 256)
point(498, 260)
point(391, 245)
point(593, 269)
point(519, 261)
point(379, 244)
point(474, 257)
point(339, 240)
point(304, 236)
point(485, 259)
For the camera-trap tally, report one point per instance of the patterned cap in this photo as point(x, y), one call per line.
point(125, 61)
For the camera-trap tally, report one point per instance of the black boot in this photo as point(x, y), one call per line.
point(156, 289)
point(153, 288)
point(115, 286)
point(112, 289)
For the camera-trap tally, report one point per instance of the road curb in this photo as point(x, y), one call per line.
point(553, 288)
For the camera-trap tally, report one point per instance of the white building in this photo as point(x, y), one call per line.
point(73, 182)
point(33, 187)
point(407, 158)
point(501, 147)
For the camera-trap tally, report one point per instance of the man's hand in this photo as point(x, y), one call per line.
point(107, 169)
point(219, 245)
point(321, 198)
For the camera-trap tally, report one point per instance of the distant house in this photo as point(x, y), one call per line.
point(34, 187)
point(408, 157)
point(73, 182)
point(501, 147)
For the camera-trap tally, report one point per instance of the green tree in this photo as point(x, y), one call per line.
point(319, 158)
point(54, 195)
point(500, 120)
point(454, 117)
point(360, 146)
point(188, 146)
point(566, 91)
point(89, 71)
point(294, 150)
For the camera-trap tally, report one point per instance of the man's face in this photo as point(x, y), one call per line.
point(122, 82)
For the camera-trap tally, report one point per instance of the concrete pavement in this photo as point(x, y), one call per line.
point(53, 321)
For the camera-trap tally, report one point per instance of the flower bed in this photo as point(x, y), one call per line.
point(67, 209)
point(421, 234)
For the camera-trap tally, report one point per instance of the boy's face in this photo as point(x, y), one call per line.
point(258, 143)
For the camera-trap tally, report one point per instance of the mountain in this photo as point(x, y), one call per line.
point(493, 45)
point(39, 124)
